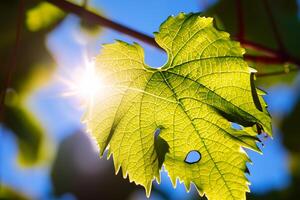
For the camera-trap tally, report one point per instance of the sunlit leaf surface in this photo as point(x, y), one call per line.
point(149, 117)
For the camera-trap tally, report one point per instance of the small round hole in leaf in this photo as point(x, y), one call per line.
point(192, 157)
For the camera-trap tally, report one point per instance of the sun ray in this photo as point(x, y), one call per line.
point(83, 83)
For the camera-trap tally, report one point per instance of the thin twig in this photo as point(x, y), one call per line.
point(271, 56)
point(12, 63)
point(258, 47)
point(265, 59)
point(276, 73)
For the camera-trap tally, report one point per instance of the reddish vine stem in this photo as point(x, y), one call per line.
point(12, 63)
point(97, 19)
point(272, 56)
point(263, 49)
point(264, 59)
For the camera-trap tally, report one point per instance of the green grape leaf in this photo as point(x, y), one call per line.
point(149, 117)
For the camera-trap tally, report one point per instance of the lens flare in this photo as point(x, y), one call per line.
point(84, 83)
point(89, 84)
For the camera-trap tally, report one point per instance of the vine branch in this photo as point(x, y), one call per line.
point(97, 19)
point(271, 56)
point(12, 63)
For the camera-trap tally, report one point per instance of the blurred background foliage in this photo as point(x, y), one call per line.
point(29, 64)
point(35, 65)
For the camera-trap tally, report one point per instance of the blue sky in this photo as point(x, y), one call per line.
point(269, 171)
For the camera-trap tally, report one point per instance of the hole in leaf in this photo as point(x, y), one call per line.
point(236, 126)
point(161, 147)
point(192, 157)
